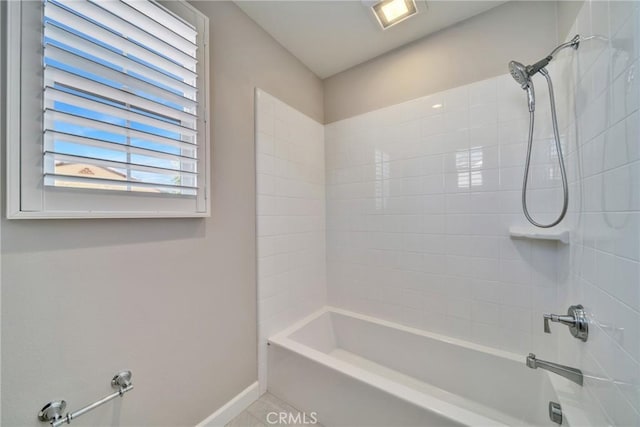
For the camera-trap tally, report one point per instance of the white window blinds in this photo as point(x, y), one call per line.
point(120, 97)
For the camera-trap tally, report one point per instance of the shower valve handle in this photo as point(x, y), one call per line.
point(575, 319)
point(565, 320)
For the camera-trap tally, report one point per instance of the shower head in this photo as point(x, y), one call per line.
point(522, 73)
point(519, 73)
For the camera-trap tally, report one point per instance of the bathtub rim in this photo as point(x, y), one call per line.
point(285, 333)
point(442, 408)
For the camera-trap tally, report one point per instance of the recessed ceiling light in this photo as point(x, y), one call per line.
point(436, 106)
point(391, 12)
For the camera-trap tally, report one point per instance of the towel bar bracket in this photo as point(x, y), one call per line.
point(52, 411)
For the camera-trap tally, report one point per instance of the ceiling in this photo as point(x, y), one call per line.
point(332, 36)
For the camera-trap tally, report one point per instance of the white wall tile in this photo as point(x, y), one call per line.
point(447, 224)
point(290, 218)
point(601, 270)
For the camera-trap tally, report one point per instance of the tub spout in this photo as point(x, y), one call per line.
point(568, 372)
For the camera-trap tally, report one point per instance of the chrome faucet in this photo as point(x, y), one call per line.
point(568, 372)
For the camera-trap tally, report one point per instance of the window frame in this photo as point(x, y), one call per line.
point(27, 197)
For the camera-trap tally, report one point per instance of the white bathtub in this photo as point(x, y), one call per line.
point(354, 370)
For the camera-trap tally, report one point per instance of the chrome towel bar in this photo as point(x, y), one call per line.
point(52, 411)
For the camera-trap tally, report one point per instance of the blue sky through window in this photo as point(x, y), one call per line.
point(63, 146)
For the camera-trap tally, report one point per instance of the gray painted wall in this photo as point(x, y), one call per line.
point(472, 50)
point(174, 300)
point(567, 13)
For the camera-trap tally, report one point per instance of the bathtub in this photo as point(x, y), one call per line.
point(350, 369)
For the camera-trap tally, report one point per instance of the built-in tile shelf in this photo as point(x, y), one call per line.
point(523, 232)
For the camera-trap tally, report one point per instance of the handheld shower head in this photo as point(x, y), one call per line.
point(520, 74)
point(523, 75)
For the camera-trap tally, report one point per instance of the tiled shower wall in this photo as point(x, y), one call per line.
point(601, 267)
point(291, 218)
point(420, 197)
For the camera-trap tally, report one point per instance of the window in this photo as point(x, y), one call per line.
point(107, 109)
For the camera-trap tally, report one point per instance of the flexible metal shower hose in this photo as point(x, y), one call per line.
point(556, 134)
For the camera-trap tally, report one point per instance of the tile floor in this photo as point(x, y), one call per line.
point(257, 415)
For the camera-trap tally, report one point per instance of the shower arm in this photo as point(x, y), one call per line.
point(540, 65)
point(574, 43)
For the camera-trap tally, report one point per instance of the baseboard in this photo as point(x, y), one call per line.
point(232, 408)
